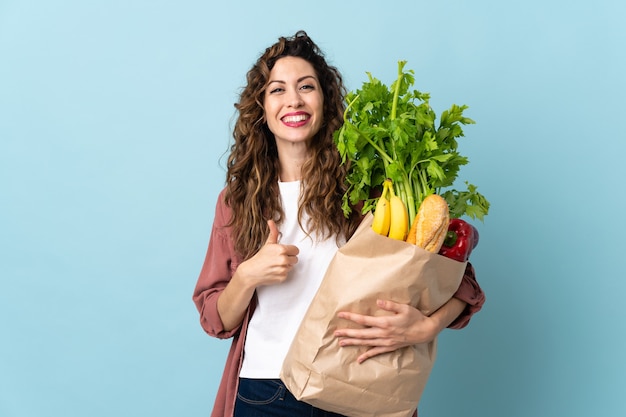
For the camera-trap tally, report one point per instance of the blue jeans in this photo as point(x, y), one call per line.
point(270, 398)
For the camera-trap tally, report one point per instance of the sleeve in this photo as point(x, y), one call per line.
point(470, 292)
point(215, 274)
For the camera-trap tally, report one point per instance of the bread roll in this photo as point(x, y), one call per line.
point(430, 225)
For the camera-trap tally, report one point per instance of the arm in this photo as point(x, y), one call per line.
point(219, 265)
point(269, 266)
point(474, 297)
point(404, 327)
point(226, 287)
point(407, 325)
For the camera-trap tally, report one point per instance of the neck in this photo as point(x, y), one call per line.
point(290, 176)
point(291, 162)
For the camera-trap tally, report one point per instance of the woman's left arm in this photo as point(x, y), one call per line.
point(406, 325)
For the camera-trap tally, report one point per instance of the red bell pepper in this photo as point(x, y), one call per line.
point(460, 240)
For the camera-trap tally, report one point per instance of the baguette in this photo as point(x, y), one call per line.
point(430, 225)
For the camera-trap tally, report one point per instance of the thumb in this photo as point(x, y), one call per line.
point(274, 233)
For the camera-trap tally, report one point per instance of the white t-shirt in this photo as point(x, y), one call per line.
point(281, 307)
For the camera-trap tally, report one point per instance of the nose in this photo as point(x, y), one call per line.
point(295, 99)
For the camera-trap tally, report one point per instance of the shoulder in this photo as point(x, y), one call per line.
point(223, 212)
point(222, 228)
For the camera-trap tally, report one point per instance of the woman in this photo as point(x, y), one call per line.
point(277, 225)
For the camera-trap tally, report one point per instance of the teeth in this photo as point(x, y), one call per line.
point(295, 119)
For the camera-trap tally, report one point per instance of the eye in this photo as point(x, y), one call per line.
point(276, 90)
point(308, 87)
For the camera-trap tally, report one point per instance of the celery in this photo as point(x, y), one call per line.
point(391, 133)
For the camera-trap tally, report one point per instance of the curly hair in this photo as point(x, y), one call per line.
point(253, 167)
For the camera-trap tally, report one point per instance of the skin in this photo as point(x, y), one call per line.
point(406, 326)
point(270, 266)
point(293, 106)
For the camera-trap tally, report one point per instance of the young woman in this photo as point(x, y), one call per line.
point(277, 225)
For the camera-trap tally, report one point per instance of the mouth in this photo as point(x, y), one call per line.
point(295, 119)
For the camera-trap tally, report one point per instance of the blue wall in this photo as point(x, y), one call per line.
point(114, 118)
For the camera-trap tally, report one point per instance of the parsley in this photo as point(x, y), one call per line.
point(392, 133)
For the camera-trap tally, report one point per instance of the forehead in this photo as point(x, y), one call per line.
point(290, 67)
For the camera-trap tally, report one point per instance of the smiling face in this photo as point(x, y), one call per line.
point(293, 102)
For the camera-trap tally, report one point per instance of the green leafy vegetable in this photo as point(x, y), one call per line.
point(392, 133)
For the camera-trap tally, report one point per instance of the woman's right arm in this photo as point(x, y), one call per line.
point(217, 270)
point(233, 302)
point(223, 297)
point(269, 266)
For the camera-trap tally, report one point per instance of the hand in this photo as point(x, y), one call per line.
point(404, 327)
point(272, 263)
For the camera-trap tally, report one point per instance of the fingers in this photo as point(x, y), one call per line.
point(391, 306)
point(377, 321)
point(373, 331)
point(364, 336)
point(376, 345)
point(274, 261)
point(274, 236)
point(363, 320)
point(274, 233)
point(380, 333)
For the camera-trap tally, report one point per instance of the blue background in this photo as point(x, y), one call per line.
point(114, 120)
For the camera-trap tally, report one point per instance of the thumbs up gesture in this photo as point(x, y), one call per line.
point(272, 263)
point(274, 232)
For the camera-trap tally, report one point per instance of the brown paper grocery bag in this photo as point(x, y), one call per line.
point(368, 267)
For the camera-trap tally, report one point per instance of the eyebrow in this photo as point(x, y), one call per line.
point(299, 79)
